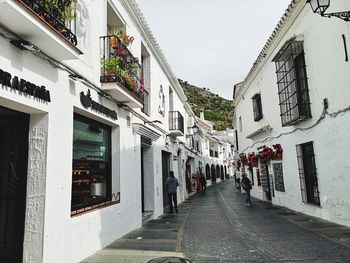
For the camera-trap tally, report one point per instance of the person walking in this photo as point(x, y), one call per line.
point(247, 186)
point(171, 186)
point(203, 183)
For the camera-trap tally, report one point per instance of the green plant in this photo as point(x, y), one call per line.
point(129, 80)
point(124, 38)
point(62, 9)
point(111, 66)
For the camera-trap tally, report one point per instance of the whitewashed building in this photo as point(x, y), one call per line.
point(297, 96)
point(92, 121)
point(91, 124)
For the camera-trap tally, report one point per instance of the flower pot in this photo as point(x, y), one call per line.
point(114, 42)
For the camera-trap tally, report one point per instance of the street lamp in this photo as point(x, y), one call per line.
point(195, 129)
point(320, 7)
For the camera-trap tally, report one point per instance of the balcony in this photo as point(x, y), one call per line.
point(121, 71)
point(176, 123)
point(30, 21)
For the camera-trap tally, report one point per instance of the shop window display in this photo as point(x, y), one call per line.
point(91, 178)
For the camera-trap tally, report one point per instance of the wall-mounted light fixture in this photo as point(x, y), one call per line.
point(320, 7)
point(24, 45)
point(195, 129)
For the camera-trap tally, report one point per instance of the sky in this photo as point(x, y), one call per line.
point(212, 43)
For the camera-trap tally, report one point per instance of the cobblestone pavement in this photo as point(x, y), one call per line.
point(219, 228)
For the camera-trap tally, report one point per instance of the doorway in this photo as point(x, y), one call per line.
point(14, 128)
point(165, 173)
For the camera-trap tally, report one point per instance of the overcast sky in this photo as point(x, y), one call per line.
point(212, 43)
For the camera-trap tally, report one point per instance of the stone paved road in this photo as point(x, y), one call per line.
point(219, 228)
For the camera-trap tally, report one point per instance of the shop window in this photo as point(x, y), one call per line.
point(307, 173)
point(257, 107)
point(91, 178)
point(292, 83)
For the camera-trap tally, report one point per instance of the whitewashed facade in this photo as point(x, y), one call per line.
point(84, 157)
point(312, 176)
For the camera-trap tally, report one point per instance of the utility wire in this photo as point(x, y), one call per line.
point(322, 117)
point(75, 75)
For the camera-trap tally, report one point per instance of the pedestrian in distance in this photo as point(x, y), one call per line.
point(198, 182)
point(203, 183)
point(247, 186)
point(171, 186)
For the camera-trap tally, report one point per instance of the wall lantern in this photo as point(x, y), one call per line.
point(320, 7)
point(195, 129)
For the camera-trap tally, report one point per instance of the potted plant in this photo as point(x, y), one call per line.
point(110, 66)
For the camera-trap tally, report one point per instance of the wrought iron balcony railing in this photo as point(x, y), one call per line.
point(176, 123)
point(57, 18)
point(119, 65)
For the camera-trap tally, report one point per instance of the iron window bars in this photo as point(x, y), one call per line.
point(257, 107)
point(308, 173)
point(53, 20)
point(292, 83)
point(119, 65)
point(176, 121)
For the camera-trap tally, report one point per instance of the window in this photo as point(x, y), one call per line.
point(91, 178)
point(258, 176)
point(307, 173)
point(257, 107)
point(240, 124)
point(292, 83)
point(146, 78)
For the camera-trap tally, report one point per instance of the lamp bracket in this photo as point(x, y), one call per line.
point(342, 15)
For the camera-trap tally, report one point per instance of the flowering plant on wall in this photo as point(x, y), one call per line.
point(252, 159)
point(266, 155)
point(243, 158)
point(278, 151)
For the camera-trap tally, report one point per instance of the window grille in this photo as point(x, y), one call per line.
point(292, 83)
point(307, 173)
point(257, 107)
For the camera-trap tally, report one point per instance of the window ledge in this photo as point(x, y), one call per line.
point(92, 208)
point(264, 129)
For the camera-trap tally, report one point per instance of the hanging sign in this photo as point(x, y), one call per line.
point(28, 88)
point(88, 102)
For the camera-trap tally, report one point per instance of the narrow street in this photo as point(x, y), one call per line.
point(221, 229)
point(217, 227)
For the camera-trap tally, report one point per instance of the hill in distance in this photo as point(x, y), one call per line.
point(216, 108)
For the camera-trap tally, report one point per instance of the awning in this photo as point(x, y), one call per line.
point(142, 130)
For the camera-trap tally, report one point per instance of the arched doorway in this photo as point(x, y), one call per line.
point(222, 173)
point(226, 174)
point(218, 171)
point(207, 172)
point(213, 173)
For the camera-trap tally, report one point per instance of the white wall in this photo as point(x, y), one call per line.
point(327, 78)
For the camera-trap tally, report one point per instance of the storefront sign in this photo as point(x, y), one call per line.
point(87, 102)
point(24, 86)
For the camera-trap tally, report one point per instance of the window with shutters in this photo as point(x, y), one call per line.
point(257, 107)
point(146, 78)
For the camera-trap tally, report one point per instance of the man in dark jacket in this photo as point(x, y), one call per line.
point(247, 186)
point(171, 187)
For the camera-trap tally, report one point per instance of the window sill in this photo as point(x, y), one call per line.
point(92, 208)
